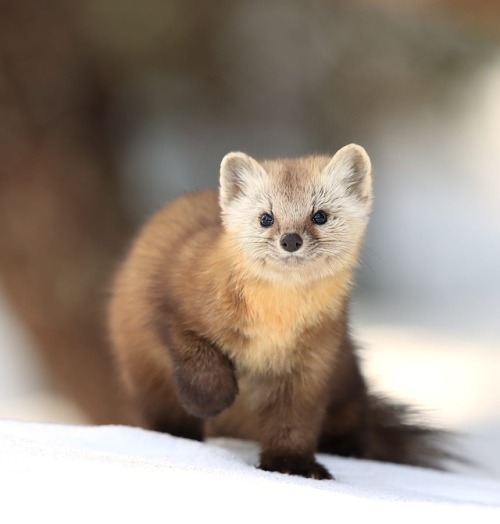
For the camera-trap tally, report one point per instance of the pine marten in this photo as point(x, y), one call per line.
point(229, 317)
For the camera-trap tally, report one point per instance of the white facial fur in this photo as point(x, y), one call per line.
point(292, 191)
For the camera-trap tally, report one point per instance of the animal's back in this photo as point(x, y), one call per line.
point(171, 242)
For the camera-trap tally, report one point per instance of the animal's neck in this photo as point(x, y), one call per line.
point(288, 300)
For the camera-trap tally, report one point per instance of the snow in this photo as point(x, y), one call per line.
point(84, 473)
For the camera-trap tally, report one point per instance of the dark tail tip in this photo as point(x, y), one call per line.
point(398, 433)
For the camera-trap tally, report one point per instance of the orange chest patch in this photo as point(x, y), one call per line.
point(275, 318)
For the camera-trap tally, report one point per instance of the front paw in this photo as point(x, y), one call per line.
point(205, 382)
point(304, 466)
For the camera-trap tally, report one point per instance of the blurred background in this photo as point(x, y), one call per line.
point(109, 108)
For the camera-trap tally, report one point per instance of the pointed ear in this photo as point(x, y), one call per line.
point(236, 171)
point(352, 165)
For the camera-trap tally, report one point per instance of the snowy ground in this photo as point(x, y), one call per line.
point(86, 473)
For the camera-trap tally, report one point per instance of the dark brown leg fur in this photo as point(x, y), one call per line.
point(303, 465)
point(156, 402)
point(289, 425)
point(185, 427)
point(204, 378)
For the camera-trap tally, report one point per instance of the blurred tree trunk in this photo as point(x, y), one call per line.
point(61, 224)
point(62, 227)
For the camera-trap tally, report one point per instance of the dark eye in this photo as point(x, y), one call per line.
point(319, 217)
point(266, 220)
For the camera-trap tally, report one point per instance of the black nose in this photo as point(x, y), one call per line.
point(291, 242)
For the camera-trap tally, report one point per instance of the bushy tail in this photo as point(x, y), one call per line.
point(396, 433)
point(393, 432)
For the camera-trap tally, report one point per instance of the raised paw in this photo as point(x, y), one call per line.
point(304, 466)
point(205, 382)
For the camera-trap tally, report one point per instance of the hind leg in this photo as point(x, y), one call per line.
point(154, 400)
point(345, 431)
point(160, 411)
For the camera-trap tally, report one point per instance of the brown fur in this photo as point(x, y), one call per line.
point(197, 335)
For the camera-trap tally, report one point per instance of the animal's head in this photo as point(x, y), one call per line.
point(297, 218)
